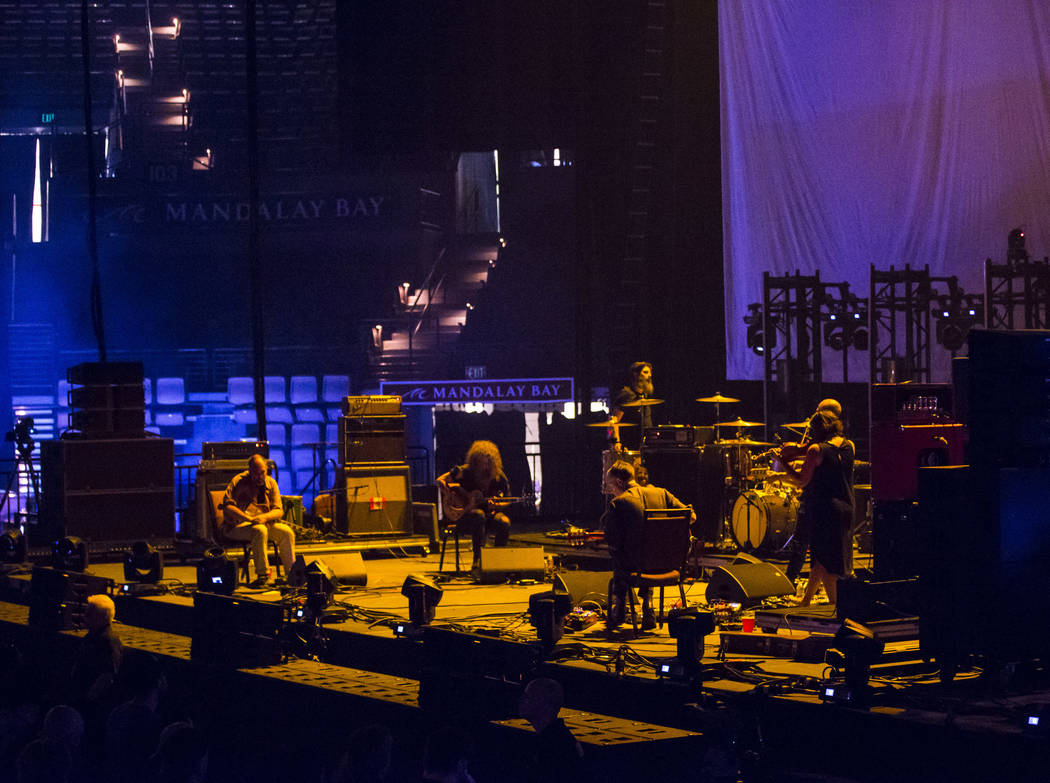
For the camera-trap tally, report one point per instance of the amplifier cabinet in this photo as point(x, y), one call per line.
point(898, 451)
point(106, 490)
point(372, 439)
point(374, 500)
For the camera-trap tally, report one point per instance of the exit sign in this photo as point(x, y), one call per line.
point(47, 117)
point(476, 373)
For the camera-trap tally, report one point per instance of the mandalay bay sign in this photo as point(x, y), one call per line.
point(490, 390)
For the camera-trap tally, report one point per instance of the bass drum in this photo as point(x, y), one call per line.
point(764, 521)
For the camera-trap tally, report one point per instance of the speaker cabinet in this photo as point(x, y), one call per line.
point(747, 583)
point(367, 439)
point(502, 563)
point(374, 500)
point(106, 490)
point(348, 567)
point(694, 476)
point(584, 587)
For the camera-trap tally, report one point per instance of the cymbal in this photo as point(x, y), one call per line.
point(859, 463)
point(642, 402)
point(738, 422)
point(742, 442)
point(796, 425)
point(717, 398)
point(610, 423)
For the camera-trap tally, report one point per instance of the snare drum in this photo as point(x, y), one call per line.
point(763, 520)
point(609, 456)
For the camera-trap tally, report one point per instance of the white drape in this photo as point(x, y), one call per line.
point(884, 132)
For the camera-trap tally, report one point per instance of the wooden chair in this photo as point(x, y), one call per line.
point(216, 496)
point(663, 547)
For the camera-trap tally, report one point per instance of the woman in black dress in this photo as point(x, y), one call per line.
point(826, 479)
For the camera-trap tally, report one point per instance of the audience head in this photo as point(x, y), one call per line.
point(367, 755)
point(541, 702)
point(182, 754)
point(63, 725)
point(99, 611)
point(141, 674)
point(447, 755)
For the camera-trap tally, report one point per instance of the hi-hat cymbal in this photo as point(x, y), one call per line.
point(610, 423)
point(717, 398)
point(738, 422)
point(743, 442)
point(642, 402)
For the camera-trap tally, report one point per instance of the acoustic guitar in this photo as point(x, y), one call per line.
point(456, 501)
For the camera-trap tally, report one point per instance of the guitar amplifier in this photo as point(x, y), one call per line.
point(372, 405)
point(234, 450)
point(369, 439)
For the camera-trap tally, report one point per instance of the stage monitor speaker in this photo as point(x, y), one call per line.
point(234, 632)
point(374, 500)
point(584, 587)
point(348, 567)
point(747, 583)
point(502, 563)
point(57, 598)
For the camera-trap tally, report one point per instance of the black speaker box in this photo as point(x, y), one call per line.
point(501, 563)
point(234, 632)
point(348, 567)
point(374, 500)
point(584, 587)
point(57, 598)
point(366, 439)
point(747, 583)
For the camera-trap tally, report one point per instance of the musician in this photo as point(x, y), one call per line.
point(623, 523)
point(826, 508)
point(639, 388)
point(252, 511)
point(798, 546)
point(470, 489)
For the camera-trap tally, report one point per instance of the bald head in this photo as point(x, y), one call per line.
point(257, 470)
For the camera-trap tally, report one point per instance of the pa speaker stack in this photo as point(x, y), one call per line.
point(373, 483)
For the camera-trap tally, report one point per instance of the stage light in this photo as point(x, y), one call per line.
point(12, 547)
point(216, 573)
point(687, 627)
point(377, 337)
point(423, 596)
point(756, 338)
point(854, 651)
point(69, 554)
point(320, 586)
point(143, 564)
point(402, 293)
point(547, 613)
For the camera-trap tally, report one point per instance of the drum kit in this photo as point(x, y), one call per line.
point(755, 508)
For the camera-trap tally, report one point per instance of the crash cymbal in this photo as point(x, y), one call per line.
point(642, 402)
point(743, 442)
point(610, 423)
point(717, 398)
point(738, 422)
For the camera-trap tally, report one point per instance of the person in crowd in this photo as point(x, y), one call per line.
point(556, 754)
point(181, 757)
point(55, 756)
point(252, 511)
point(133, 728)
point(367, 756)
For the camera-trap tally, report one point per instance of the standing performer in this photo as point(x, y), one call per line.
point(826, 509)
point(798, 546)
point(469, 496)
point(623, 523)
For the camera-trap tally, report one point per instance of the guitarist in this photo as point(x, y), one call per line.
point(467, 496)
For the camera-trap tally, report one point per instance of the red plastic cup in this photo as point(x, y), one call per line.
point(747, 623)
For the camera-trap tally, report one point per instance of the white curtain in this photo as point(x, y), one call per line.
point(883, 132)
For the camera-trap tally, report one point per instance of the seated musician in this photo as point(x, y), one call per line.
point(252, 511)
point(468, 494)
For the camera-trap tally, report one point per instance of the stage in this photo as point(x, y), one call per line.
point(757, 696)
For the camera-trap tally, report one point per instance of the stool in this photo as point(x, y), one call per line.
point(446, 532)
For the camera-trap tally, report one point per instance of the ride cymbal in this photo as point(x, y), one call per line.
point(738, 422)
point(796, 425)
point(742, 442)
point(717, 398)
point(610, 423)
point(642, 403)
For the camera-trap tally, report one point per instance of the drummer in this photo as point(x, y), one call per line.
point(639, 388)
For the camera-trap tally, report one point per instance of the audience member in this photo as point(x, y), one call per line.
point(133, 728)
point(181, 757)
point(100, 650)
point(54, 757)
point(19, 708)
point(446, 758)
point(557, 755)
point(367, 756)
